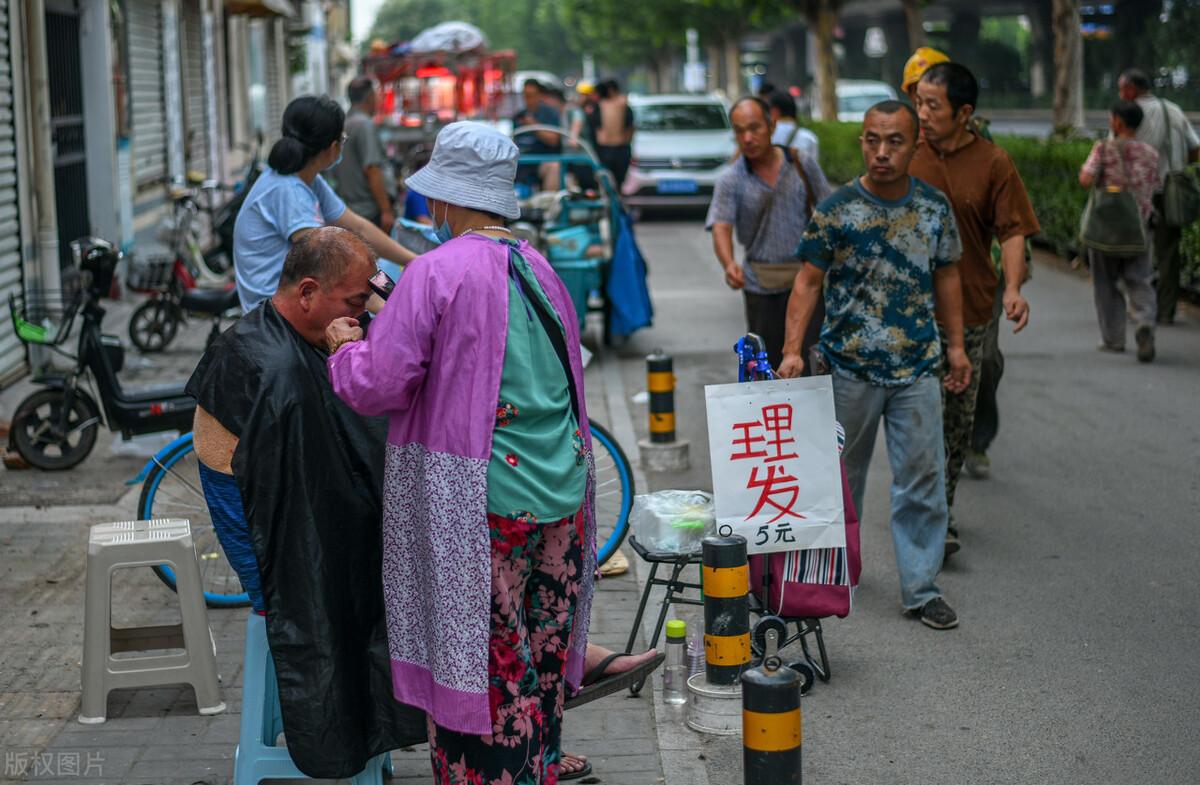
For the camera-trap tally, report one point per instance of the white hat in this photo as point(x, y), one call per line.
point(473, 165)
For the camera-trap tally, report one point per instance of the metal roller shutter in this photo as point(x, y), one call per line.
point(147, 106)
point(275, 86)
point(194, 89)
point(12, 351)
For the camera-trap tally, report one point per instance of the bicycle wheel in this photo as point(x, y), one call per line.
point(172, 490)
point(614, 492)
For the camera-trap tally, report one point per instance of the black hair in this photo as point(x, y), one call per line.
point(541, 88)
point(891, 107)
point(961, 87)
point(754, 99)
point(784, 102)
point(1129, 112)
point(608, 88)
point(1137, 78)
point(766, 89)
point(557, 94)
point(323, 255)
point(310, 124)
point(359, 89)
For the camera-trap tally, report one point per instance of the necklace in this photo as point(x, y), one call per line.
point(477, 229)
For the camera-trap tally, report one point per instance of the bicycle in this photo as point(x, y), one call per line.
point(171, 489)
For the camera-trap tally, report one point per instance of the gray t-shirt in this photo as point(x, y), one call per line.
point(362, 150)
point(739, 199)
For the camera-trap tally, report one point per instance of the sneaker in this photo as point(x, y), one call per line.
point(1145, 343)
point(1110, 347)
point(937, 614)
point(952, 543)
point(978, 464)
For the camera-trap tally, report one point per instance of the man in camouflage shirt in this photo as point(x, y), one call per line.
point(884, 249)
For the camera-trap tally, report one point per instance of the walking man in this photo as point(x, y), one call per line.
point(1165, 128)
point(611, 125)
point(767, 196)
point(887, 243)
point(1126, 164)
point(989, 201)
point(360, 175)
point(788, 132)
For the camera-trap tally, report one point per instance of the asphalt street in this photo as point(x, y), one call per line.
point(1076, 658)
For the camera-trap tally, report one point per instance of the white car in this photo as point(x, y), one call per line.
point(855, 97)
point(682, 144)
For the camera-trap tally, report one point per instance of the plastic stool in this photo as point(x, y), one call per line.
point(258, 757)
point(116, 546)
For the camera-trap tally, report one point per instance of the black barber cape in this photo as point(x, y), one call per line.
point(311, 476)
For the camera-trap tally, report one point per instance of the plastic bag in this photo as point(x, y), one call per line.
point(673, 521)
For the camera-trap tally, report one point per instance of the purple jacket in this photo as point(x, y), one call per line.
point(432, 363)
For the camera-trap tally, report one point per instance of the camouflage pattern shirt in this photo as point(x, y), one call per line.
point(879, 258)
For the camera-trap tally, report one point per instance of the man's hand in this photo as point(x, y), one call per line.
point(735, 278)
point(387, 219)
point(791, 366)
point(958, 377)
point(1016, 308)
point(342, 330)
point(374, 304)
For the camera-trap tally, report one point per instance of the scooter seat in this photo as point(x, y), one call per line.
point(172, 393)
point(210, 301)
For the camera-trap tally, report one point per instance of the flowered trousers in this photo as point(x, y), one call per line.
point(535, 587)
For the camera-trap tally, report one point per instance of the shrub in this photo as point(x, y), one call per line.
point(1050, 170)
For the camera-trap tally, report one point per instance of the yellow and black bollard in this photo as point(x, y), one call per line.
point(660, 382)
point(726, 580)
point(771, 725)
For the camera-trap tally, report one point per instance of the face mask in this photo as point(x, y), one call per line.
point(335, 163)
point(442, 230)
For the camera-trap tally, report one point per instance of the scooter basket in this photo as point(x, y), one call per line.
point(150, 275)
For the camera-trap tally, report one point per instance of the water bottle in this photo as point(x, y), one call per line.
point(676, 673)
point(695, 652)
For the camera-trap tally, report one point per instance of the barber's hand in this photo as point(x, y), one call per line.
point(791, 366)
point(374, 304)
point(735, 278)
point(1016, 308)
point(340, 331)
point(958, 376)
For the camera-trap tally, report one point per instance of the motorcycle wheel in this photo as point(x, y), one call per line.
point(153, 325)
point(38, 437)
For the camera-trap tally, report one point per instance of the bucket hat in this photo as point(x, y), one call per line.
point(473, 165)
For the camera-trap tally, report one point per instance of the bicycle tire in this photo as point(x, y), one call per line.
point(215, 570)
point(611, 503)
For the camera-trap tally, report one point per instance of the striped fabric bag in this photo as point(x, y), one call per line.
point(812, 584)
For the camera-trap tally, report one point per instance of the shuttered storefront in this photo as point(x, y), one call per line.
point(147, 104)
point(12, 351)
point(276, 95)
point(195, 92)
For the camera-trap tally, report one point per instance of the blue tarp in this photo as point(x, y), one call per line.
point(628, 295)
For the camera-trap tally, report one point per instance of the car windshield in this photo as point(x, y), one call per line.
point(680, 117)
point(861, 102)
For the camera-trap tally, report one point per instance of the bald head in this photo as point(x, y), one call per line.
point(324, 278)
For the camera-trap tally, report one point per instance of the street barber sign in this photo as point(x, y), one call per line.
point(776, 476)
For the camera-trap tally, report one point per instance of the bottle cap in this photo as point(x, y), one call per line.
point(676, 628)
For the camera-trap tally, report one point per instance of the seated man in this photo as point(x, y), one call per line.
point(270, 433)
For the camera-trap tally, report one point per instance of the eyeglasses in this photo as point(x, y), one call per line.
point(342, 141)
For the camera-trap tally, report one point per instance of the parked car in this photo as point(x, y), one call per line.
point(682, 145)
point(855, 97)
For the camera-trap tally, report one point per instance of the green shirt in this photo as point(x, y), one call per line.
point(538, 466)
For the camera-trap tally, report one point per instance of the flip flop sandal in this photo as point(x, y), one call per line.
point(597, 685)
point(577, 775)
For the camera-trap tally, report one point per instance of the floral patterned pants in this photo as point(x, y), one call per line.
point(535, 586)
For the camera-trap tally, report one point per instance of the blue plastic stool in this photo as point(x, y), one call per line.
point(257, 757)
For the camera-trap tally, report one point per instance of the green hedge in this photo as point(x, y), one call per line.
point(1050, 171)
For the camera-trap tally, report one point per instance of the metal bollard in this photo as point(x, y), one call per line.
point(660, 382)
point(772, 739)
point(726, 581)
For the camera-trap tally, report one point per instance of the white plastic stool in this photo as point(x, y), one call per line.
point(125, 545)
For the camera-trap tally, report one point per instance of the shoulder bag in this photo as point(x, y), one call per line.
point(1112, 221)
point(781, 275)
point(1180, 194)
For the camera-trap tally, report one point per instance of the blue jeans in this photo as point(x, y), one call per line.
point(912, 417)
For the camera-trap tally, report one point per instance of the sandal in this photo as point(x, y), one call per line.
point(586, 771)
point(596, 685)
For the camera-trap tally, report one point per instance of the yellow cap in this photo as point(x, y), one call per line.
point(920, 62)
point(585, 88)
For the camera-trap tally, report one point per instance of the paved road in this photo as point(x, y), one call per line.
point(1076, 658)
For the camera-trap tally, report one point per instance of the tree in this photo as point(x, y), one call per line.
point(822, 17)
point(914, 21)
point(1068, 66)
point(401, 20)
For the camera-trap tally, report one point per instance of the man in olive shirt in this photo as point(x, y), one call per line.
point(361, 181)
point(989, 201)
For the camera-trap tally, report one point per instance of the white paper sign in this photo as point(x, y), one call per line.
point(776, 476)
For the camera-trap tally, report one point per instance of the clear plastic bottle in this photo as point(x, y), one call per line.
point(675, 673)
point(695, 652)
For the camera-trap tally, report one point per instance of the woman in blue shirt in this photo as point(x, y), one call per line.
point(291, 198)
